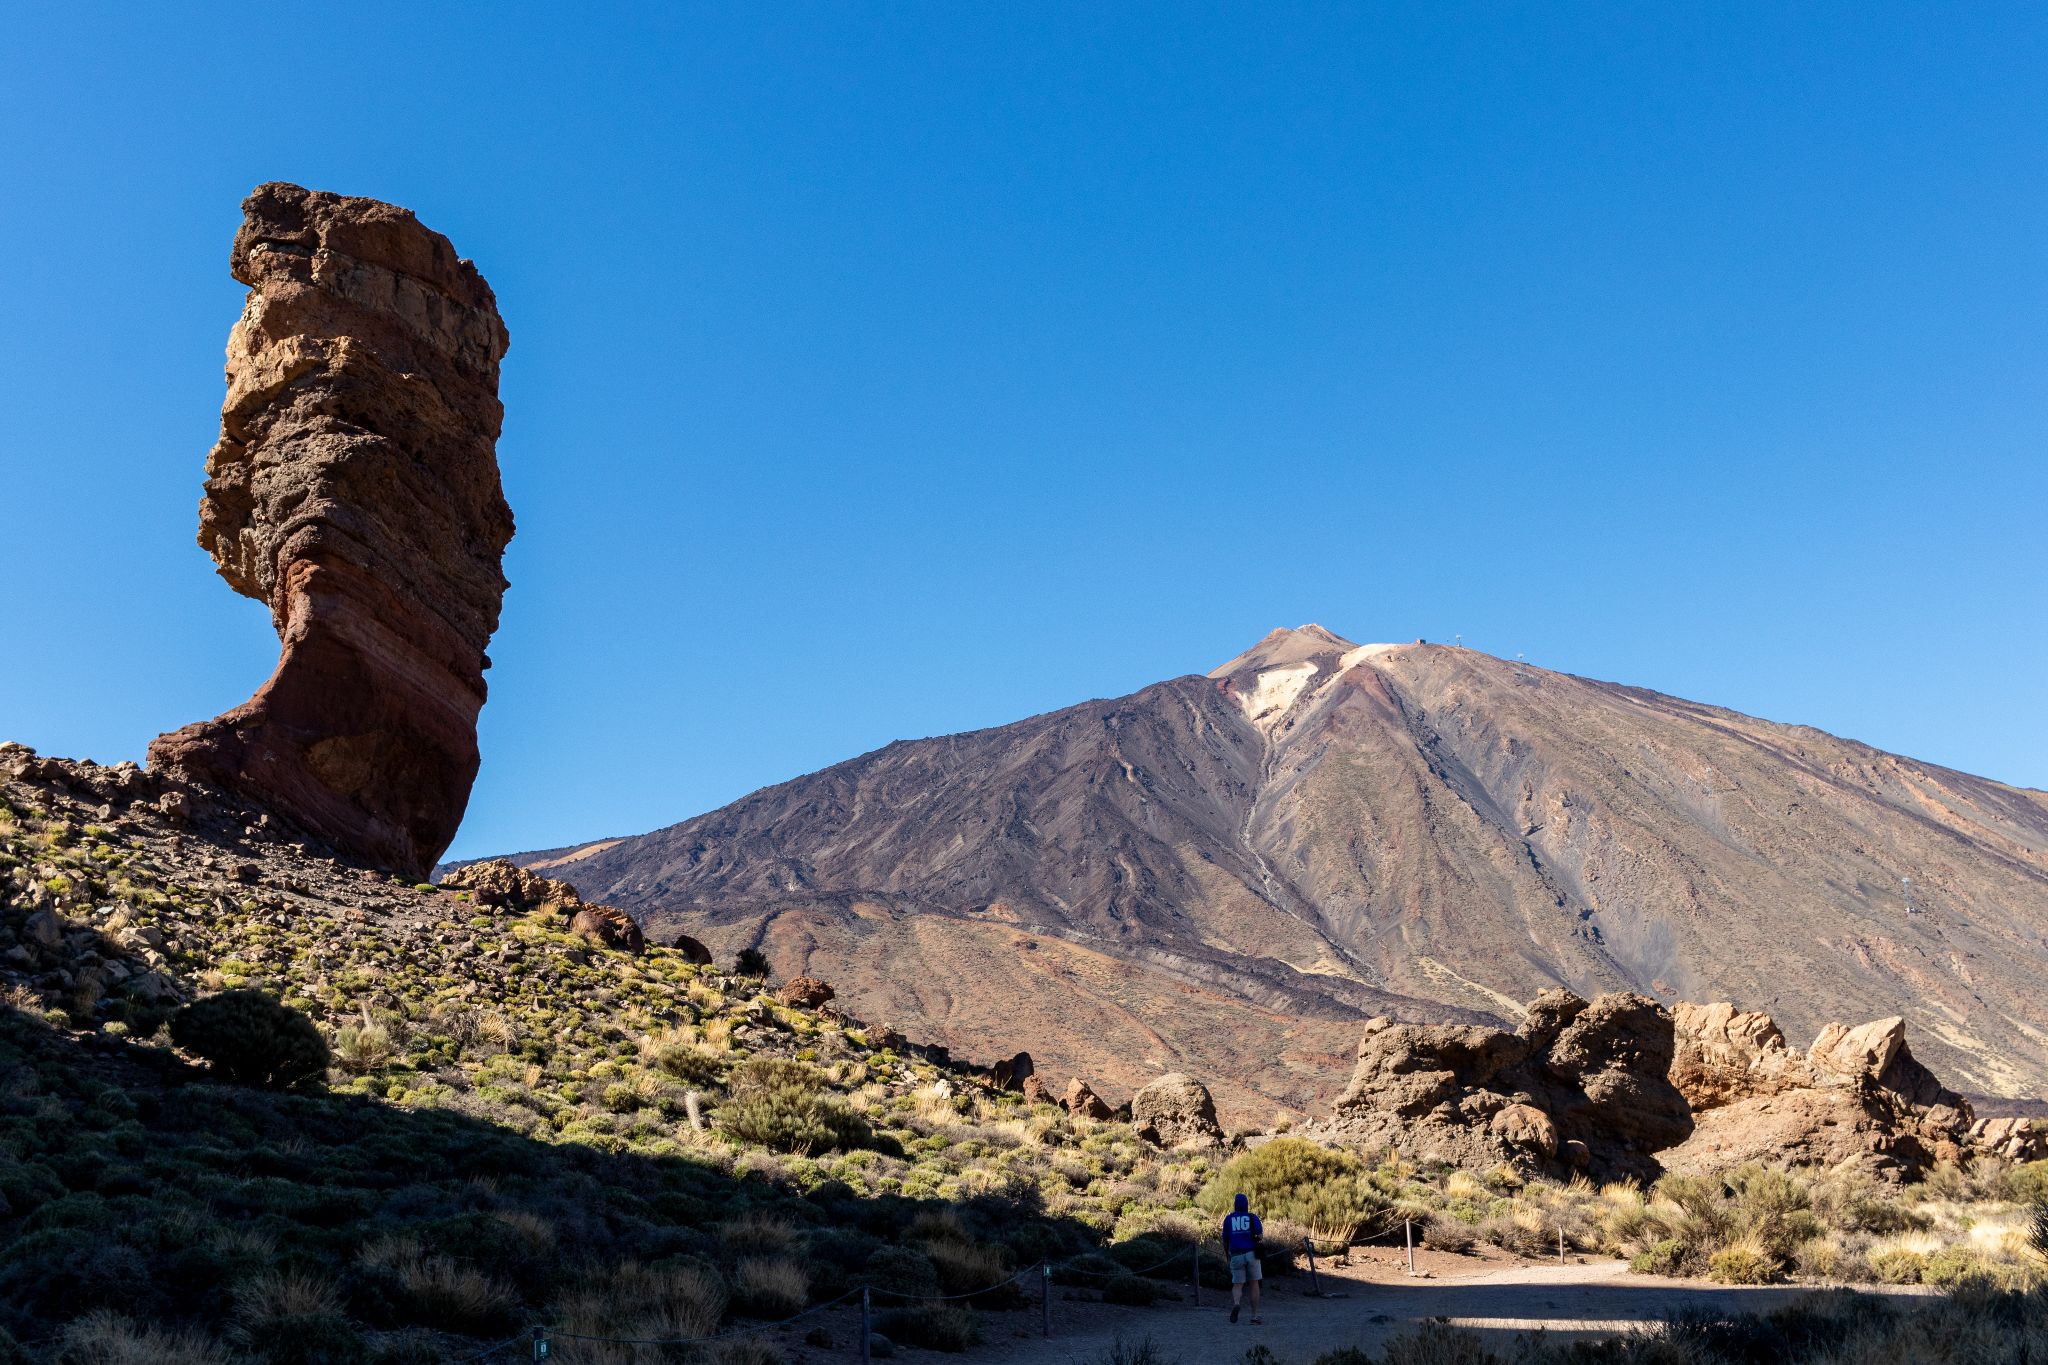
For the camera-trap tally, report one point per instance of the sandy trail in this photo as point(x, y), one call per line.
point(1377, 1302)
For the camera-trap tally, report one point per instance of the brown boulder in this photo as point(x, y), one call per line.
point(354, 490)
point(693, 950)
point(805, 992)
point(1527, 1127)
point(884, 1037)
point(1084, 1103)
point(1176, 1111)
point(1010, 1073)
point(1035, 1091)
point(608, 926)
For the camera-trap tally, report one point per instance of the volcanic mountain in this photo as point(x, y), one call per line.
point(1227, 874)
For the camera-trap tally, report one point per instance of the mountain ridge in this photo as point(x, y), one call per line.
point(1324, 831)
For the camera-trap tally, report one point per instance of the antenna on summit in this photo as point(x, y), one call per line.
point(1907, 884)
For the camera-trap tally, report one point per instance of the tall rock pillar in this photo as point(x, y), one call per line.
point(355, 491)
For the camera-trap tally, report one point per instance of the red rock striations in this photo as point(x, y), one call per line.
point(355, 490)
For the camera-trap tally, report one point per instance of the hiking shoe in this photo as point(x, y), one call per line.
point(1258, 1322)
point(1233, 1313)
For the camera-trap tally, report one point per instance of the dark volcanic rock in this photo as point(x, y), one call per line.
point(355, 491)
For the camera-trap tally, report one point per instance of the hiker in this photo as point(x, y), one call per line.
point(1241, 1233)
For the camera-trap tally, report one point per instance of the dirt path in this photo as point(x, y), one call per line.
point(1378, 1302)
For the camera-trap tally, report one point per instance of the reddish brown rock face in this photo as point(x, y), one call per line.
point(355, 491)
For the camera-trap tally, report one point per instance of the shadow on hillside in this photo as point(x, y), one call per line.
point(130, 1182)
point(1478, 1323)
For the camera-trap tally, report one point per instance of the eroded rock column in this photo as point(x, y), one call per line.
point(355, 491)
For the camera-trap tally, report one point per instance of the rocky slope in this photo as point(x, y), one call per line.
point(1229, 874)
point(355, 491)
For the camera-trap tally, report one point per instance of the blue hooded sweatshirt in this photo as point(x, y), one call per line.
point(1241, 1228)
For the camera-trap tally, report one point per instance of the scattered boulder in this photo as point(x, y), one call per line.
point(1857, 1097)
point(1084, 1103)
point(805, 992)
point(1579, 1084)
point(609, 927)
point(1526, 1127)
point(693, 950)
point(1176, 1110)
point(1036, 1092)
point(1010, 1073)
point(355, 491)
point(886, 1037)
point(44, 929)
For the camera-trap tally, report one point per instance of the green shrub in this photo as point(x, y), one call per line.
point(1743, 1262)
point(688, 1063)
point(1958, 1267)
point(936, 1327)
point(252, 1039)
point(1665, 1258)
point(1328, 1191)
point(1897, 1266)
point(750, 962)
point(780, 1105)
point(2028, 1183)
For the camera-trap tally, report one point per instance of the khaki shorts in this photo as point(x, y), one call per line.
point(1245, 1266)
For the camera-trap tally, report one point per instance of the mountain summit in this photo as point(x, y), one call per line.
point(1226, 874)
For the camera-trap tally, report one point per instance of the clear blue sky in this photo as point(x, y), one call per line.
point(884, 371)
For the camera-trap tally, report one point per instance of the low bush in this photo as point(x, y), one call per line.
point(1328, 1191)
point(1745, 1262)
point(936, 1327)
point(252, 1039)
point(770, 1286)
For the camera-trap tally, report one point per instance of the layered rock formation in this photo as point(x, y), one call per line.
point(1857, 1096)
point(354, 490)
point(1578, 1086)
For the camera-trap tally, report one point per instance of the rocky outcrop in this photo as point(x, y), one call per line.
point(1176, 1111)
point(1083, 1103)
point(1578, 1084)
point(1856, 1097)
point(608, 927)
point(1010, 1073)
point(806, 992)
point(500, 884)
point(354, 490)
point(2010, 1138)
